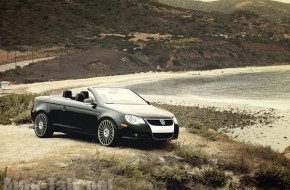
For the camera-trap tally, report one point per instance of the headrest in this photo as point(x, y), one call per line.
point(80, 97)
point(67, 94)
point(86, 93)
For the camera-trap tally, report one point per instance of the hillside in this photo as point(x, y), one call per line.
point(143, 34)
point(268, 9)
point(77, 22)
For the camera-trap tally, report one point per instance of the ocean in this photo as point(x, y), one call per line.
point(269, 89)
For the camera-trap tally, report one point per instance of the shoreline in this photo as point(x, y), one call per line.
point(272, 135)
point(137, 78)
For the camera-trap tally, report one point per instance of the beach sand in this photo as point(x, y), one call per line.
point(276, 134)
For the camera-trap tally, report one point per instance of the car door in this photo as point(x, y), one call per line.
point(55, 110)
point(79, 117)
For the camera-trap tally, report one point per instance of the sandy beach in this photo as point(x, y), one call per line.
point(275, 135)
point(121, 80)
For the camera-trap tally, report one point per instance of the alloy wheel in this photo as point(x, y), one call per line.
point(106, 132)
point(40, 124)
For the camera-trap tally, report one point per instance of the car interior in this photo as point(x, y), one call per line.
point(80, 97)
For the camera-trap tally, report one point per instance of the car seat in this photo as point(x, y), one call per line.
point(67, 94)
point(86, 93)
point(80, 97)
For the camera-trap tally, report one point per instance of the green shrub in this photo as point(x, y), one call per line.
point(4, 120)
point(191, 156)
point(15, 106)
point(282, 58)
point(195, 125)
point(214, 177)
point(269, 175)
point(198, 128)
point(131, 170)
point(238, 165)
point(23, 117)
point(174, 178)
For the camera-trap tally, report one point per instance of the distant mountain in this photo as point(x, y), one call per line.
point(271, 10)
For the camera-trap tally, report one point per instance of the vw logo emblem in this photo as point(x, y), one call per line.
point(162, 122)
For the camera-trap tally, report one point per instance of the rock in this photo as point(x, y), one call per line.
point(162, 160)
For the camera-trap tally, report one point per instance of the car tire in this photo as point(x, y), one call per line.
point(42, 126)
point(108, 133)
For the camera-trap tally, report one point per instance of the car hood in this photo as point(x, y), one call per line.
point(146, 111)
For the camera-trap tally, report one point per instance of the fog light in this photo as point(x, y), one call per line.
point(124, 125)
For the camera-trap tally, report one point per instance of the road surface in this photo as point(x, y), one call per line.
point(21, 64)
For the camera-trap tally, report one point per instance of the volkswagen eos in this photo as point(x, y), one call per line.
point(108, 113)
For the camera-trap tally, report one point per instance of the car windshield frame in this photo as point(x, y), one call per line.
point(119, 96)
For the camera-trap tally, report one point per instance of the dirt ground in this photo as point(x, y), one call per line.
point(25, 154)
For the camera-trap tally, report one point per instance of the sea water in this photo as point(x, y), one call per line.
point(269, 89)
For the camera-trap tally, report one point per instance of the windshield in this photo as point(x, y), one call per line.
point(119, 96)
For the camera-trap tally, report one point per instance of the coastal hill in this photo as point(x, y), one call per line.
point(133, 36)
point(271, 10)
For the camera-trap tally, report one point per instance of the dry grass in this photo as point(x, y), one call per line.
point(190, 155)
point(263, 153)
point(174, 178)
point(287, 150)
point(161, 171)
point(180, 166)
point(237, 165)
point(15, 107)
point(214, 177)
point(209, 133)
point(272, 175)
point(3, 174)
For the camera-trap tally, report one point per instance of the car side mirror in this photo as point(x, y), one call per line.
point(94, 104)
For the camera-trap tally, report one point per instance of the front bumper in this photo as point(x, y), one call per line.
point(145, 132)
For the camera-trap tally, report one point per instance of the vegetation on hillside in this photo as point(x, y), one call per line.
point(271, 10)
point(80, 23)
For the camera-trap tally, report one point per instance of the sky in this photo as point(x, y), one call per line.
point(283, 1)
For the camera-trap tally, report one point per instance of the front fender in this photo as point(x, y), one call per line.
point(117, 117)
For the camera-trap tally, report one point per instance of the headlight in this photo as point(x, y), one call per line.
point(134, 120)
point(175, 120)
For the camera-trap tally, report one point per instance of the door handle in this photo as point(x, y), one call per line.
point(63, 108)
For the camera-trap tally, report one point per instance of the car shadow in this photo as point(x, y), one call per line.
point(76, 137)
point(123, 143)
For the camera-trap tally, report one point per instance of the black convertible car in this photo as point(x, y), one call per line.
point(109, 113)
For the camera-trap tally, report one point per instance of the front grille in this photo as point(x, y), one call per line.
point(161, 136)
point(158, 122)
